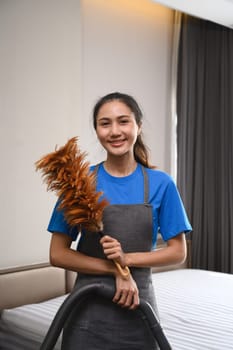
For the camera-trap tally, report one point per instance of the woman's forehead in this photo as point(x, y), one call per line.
point(114, 108)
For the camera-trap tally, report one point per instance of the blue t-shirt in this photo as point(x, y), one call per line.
point(169, 216)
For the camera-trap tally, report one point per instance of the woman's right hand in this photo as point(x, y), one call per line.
point(127, 294)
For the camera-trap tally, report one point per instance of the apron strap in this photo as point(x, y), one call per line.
point(145, 177)
point(146, 185)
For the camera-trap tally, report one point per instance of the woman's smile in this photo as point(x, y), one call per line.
point(116, 143)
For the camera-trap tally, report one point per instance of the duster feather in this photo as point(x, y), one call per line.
point(66, 173)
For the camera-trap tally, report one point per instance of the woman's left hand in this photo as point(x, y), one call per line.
point(127, 294)
point(113, 250)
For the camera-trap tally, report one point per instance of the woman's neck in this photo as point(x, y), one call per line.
point(120, 167)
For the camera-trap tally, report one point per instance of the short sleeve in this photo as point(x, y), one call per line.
point(172, 217)
point(58, 223)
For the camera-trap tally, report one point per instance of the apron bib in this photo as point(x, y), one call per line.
point(101, 324)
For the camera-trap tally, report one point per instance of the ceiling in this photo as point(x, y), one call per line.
point(218, 11)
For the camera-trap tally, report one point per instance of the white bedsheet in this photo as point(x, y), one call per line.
point(24, 327)
point(195, 307)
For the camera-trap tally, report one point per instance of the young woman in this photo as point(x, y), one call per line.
point(143, 201)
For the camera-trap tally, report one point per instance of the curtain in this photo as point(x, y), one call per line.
point(205, 139)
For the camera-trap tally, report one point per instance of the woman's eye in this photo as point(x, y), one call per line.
point(124, 121)
point(104, 123)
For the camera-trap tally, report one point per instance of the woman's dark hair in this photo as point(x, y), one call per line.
point(141, 153)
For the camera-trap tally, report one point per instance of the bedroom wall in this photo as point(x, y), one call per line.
point(127, 47)
point(57, 58)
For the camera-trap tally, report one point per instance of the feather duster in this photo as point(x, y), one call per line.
point(66, 173)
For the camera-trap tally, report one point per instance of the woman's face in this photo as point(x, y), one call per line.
point(116, 128)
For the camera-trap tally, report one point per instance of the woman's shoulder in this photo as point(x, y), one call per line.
point(159, 175)
point(95, 166)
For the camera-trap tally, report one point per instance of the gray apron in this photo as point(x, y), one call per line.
point(101, 324)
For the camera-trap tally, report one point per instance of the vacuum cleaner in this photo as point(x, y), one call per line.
point(77, 297)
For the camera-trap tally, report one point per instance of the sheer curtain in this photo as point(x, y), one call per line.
point(205, 139)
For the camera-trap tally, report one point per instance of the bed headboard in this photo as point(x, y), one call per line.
point(32, 284)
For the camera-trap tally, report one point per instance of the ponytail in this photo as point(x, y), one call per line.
point(141, 153)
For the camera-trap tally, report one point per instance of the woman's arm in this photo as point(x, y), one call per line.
point(173, 253)
point(62, 255)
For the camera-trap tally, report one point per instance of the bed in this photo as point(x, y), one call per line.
point(195, 306)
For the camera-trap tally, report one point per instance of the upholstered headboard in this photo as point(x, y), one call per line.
point(32, 284)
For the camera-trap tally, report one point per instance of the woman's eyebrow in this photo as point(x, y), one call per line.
point(118, 117)
point(124, 116)
point(101, 118)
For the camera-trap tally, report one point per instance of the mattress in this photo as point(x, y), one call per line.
point(24, 327)
point(195, 310)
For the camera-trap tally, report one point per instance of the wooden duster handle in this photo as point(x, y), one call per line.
point(125, 272)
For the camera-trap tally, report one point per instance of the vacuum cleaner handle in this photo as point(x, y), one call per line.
point(75, 298)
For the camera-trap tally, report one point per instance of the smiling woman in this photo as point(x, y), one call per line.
point(142, 201)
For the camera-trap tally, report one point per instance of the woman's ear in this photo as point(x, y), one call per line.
point(139, 128)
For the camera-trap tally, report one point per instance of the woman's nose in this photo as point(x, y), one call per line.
point(115, 130)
